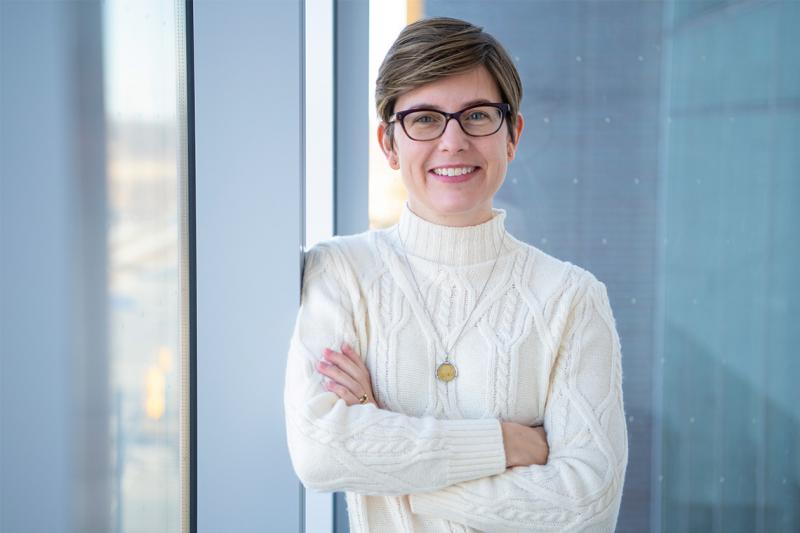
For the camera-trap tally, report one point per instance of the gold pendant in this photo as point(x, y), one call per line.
point(446, 372)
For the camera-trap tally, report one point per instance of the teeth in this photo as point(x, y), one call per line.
point(453, 171)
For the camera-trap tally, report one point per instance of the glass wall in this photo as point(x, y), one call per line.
point(94, 331)
point(146, 175)
point(660, 153)
point(729, 410)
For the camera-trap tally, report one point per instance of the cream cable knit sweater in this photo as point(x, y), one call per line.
point(541, 347)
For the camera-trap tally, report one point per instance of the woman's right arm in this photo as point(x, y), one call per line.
point(361, 448)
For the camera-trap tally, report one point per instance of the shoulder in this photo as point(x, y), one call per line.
point(556, 286)
point(548, 274)
point(350, 256)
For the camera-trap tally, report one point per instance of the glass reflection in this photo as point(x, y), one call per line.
point(145, 243)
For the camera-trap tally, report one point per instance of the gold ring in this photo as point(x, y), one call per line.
point(363, 398)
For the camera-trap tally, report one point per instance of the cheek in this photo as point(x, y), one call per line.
point(498, 157)
point(412, 160)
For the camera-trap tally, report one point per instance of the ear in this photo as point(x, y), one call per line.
point(387, 146)
point(512, 144)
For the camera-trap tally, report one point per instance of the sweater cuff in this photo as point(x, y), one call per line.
point(475, 449)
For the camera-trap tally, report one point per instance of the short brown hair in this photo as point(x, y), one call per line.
point(435, 48)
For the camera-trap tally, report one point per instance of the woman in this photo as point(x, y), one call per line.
point(446, 375)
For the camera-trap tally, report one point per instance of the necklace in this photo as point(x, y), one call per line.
point(447, 371)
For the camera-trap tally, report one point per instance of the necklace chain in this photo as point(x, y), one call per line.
point(425, 307)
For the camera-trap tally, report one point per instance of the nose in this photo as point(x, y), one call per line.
point(453, 139)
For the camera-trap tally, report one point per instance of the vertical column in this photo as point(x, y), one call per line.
point(248, 65)
point(54, 457)
point(352, 116)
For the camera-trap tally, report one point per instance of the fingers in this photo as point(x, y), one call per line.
point(336, 374)
point(349, 376)
point(342, 392)
point(351, 353)
point(543, 447)
point(345, 363)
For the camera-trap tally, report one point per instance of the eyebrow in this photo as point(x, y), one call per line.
point(463, 106)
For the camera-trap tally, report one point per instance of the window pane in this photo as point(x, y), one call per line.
point(147, 236)
point(93, 276)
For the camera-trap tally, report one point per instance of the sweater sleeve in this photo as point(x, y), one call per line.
point(361, 448)
point(580, 487)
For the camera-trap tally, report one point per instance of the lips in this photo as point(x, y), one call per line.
point(453, 173)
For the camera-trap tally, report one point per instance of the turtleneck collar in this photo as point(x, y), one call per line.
point(452, 245)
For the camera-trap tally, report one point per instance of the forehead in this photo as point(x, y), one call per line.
point(453, 92)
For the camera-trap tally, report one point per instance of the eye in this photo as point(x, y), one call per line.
point(477, 115)
point(424, 118)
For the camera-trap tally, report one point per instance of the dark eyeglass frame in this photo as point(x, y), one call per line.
point(400, 115)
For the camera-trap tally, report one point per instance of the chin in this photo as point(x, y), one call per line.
point(459, 201)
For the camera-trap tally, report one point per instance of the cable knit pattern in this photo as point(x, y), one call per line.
point(541, 347)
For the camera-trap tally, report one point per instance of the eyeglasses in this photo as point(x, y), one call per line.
point(429, 124)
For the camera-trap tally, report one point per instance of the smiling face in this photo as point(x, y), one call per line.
point(452, 180)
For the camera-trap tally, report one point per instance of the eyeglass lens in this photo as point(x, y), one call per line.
point(478, 121)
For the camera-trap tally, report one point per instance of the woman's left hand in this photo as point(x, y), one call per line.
point(347, 375)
